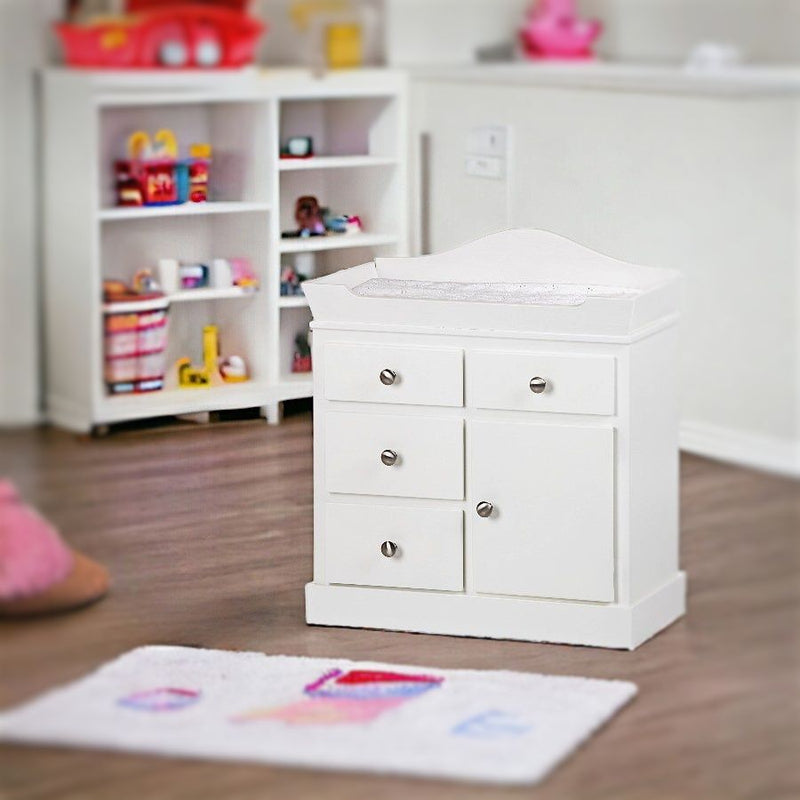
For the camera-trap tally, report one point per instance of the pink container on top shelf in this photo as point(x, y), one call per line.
point(554, 30)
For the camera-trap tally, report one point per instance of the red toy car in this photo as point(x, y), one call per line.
point(174, 34)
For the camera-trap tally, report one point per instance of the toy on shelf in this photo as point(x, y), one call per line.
point(344, 45)
point(213, 372)
point(135, 325)
point(233, 370)
point(145, 283)
point(301, 361)
point(298, 147)
point(337, 34)
point(291, 282)
point(153, 175)
point(193, 276)
point(343, 223)
point(312, 220)
point(554, 30)
point(223, 273)
point(243, 273)
point(173, 34)
point(308, 216)
point(199, 165)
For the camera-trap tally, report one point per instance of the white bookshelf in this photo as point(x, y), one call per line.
point(358, 120)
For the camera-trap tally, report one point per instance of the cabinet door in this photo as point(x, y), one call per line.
point(551, 530)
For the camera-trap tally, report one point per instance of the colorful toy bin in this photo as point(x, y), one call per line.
point(135, 345)
point(153, 175)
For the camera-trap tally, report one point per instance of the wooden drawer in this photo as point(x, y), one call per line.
point(422, 376)
point(573, 384)
point(429, 463)
point(429, 547)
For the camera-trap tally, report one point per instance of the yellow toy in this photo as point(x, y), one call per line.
point(233, 369)
point(190, 376)
point(343, 45)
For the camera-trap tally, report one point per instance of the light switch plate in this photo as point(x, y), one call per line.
point(488, 140)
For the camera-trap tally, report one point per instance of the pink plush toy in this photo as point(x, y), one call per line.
point(38, 572)
point(553, 30)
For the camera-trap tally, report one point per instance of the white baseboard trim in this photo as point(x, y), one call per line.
point(13, 422)
point(487, 617)
point(67, 415)
point(770, 454)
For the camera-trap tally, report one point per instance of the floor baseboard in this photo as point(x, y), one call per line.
point(770, 454)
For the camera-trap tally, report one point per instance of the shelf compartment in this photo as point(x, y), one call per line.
point(120, 213)
point(316, 244)
point(239, 171)
point(334, 162)
point(355, 126)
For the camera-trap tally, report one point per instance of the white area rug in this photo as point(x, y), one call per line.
point(497, 727)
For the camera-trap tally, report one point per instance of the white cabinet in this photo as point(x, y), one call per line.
point(497, 459)
point(550, 529)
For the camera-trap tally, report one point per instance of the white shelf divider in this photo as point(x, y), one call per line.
point(341, 241)
point(295, 301)
point(168, 402)
point(198, 295)
point(334, 162)
point(182, 210)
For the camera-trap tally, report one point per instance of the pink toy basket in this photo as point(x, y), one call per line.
point(135, 345)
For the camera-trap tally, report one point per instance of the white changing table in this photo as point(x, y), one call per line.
point(496, 445)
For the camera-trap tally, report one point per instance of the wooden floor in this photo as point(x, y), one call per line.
point(208, 535)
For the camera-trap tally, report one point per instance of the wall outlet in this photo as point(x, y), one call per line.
point(486, 167)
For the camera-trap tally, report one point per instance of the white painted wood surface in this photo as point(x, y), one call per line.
point(423, 376)
point(573, 384)
point(551, 533)
point(582, 544)
point(429, 451)
point(429, 542)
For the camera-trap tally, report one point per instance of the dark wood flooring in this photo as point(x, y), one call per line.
point(208, 535)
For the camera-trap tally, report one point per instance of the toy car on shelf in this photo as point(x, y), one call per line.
point(172, 34)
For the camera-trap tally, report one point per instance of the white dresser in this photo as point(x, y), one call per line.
point(496, 445)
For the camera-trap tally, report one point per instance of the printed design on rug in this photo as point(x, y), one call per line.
point(162, 699)
point(492, 724)
point(352, 697)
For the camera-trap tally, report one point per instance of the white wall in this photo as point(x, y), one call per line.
point(435, 31)
point(701, 184)
point(656, 30)
point(22, 46)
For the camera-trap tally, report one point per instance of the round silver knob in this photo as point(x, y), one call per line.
point(538, 385)
point(389, 549)
point(484, 509)
point(388, 377)
point(389, 457)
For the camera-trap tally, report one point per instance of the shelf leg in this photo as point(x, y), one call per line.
point(273, 413)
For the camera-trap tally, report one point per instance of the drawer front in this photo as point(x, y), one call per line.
point(564, 384)
point(409, 548)
point(429, 456)
point(409, 375)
